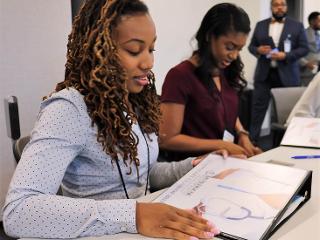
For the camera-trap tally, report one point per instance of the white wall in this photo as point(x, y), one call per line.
point(310, 6)
point(178, 20)
point(33, 38)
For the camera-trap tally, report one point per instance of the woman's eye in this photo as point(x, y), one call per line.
point(152, 50)
point(133, 53)
point(230, 47)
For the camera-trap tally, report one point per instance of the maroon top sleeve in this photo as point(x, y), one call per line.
point(175, 88)
point(208, 113)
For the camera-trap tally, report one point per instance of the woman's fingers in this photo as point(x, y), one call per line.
point(196, 221)
point(257, 150)
point(189, 231)
point(183, 224)
point(241, 156)
point(249, 147)
point(189, 222)
point(174, 234)
point(222, 152)
point(192, 219)
point(161, 220)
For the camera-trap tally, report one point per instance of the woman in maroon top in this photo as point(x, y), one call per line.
point(200, 95)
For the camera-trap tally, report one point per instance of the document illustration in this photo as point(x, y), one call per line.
point(242, 198)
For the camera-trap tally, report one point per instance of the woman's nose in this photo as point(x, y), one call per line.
point(147, 61)
point(234, 55)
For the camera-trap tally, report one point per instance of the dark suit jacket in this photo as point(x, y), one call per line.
point(314, 54)
point(288, 68)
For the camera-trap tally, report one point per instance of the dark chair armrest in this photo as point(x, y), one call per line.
point(278, 127)
point(277, 130)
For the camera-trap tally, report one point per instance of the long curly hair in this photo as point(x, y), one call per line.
point(220, 20)
point(94, 69)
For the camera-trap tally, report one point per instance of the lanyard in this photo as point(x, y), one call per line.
point(148, 172)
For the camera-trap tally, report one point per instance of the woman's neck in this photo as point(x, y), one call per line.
point(194, 59)
point(216, 72)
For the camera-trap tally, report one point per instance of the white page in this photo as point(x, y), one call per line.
point(241, 197)
point(304, 132)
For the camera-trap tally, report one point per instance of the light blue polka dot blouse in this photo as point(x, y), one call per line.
point(64, 151)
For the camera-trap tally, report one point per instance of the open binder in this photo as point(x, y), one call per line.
point(245, 199)
point(302, 132)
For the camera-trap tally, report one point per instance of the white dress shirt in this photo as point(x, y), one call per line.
point(275, 31)
point(309, 103)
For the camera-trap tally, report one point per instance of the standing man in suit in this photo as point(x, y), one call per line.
point(310, 63)
point(278, 43)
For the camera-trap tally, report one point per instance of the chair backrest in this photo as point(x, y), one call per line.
point(13, 126)
point(283, 101)
point(12, 117)
point(19, 146)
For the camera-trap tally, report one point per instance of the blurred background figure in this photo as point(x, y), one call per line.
point(310, 63)
point(309, 103)
point(278, 43)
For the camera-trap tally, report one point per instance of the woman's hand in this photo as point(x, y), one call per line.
point(233, 149)
point(162, 220)
point(245, 142)
point(197, 160)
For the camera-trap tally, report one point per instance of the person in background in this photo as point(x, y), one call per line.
point(309, 103)
point(310, 63)
point(200, 96)
point(96, 136)
point(278, 43)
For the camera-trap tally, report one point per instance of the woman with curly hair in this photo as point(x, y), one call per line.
point(199, 98)
point(96, 136)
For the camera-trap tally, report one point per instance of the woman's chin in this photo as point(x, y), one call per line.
point(136, 89)
point(223, 65)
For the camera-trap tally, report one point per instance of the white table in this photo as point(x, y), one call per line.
point(304, 224)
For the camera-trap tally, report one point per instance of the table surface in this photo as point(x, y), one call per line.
point(304, 224)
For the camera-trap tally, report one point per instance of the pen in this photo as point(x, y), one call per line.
point(305, 156)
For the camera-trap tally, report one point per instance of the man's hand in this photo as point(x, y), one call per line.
point(278, 56)
point(264, 49)
point(311, 65)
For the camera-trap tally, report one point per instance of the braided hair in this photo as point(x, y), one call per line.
point(94, 69)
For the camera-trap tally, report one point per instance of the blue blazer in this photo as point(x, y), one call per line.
point(289, 67)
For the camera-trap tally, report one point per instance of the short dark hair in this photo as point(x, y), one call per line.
point(313, 16)
point(271, 2)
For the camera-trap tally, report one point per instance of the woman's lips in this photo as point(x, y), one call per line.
point(226, 63)
point(142, 80)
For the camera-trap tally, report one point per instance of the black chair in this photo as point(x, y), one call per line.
point(245, 104)
point(283, 101)
point(13, 126)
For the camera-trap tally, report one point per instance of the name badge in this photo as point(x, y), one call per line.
point(227, 136)
point(287, 46)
